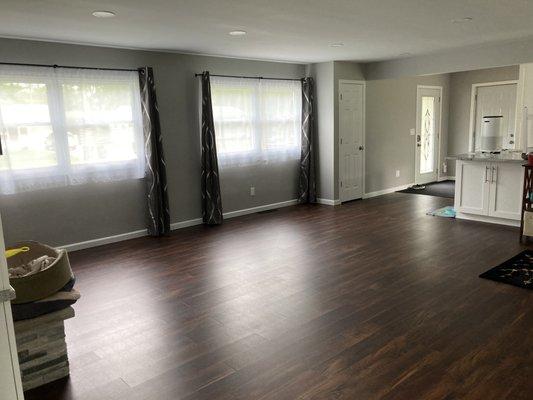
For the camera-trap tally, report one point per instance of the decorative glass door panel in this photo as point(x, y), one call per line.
point(427, 135)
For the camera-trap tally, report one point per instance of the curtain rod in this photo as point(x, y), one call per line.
point(67, 66)
point(252, 77)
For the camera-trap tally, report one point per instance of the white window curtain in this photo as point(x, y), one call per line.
point(257, 121)
point(62, 126)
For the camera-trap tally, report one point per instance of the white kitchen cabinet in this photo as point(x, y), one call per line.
point(506, 191)
point(472, 187)
point(490, 190)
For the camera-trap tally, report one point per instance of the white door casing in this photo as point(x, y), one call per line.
point(428, 127)
point(351, 139)
point(524, 107)
point(10, 384)
point(496, 100)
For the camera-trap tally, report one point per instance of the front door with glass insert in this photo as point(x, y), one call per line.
point(427, 134)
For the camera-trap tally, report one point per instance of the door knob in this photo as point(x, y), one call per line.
point(361, 147)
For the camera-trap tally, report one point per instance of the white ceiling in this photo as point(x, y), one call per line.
point(287, 30)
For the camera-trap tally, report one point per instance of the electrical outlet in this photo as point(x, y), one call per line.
point(252, 190)
point(397, 173)
point(444, 168)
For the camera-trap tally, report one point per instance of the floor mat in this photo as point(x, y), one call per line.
point(517, 271)
point(439, 189)
point(445, 212)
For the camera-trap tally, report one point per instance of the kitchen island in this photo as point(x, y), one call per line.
point(488, 187)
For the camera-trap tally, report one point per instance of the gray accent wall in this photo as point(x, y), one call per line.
point(460, 98)
point(390, 114)
point(80, 213)
point(323, 74)
point(327, 76)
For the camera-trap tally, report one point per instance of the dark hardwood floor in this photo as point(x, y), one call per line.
point(369, 300)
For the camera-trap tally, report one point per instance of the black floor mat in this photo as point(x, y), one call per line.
point(439, 189)
point(517, 271)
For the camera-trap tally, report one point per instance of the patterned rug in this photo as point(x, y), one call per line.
point(517, 271)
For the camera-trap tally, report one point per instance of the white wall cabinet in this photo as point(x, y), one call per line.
point(489, 189)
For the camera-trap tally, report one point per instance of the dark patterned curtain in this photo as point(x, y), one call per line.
point(156, 175)
point(211, 199)
point(307, 184)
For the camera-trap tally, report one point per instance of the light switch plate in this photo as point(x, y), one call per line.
point(412, 131)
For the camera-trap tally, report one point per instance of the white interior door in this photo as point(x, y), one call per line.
point(496, 100)
point(10, 386)
point(351, 140)
point(427, 134)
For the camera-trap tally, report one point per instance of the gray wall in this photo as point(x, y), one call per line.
point(323, 74)
point(390, 114)
point(455, 60)
point(460, 97)
point(79, 213)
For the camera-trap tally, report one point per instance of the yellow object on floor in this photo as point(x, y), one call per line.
point(14, 252)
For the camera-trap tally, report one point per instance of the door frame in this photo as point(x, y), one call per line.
point(440, 89)
point(473, 93)
point(363, 84)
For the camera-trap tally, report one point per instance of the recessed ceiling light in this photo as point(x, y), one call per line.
point(337, 44)
point(238, 33)
point(104, 14)
point(405, 54)
point(462, 20)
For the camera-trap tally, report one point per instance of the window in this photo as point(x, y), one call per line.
point(68, 126)
point(256, 121)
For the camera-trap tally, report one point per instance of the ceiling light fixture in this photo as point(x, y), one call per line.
point(104, 14)
point(462, 20)
point(337, 44)
point(237, 33)
point(405, 54)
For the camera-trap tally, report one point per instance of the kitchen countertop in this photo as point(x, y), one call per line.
point(513, 157)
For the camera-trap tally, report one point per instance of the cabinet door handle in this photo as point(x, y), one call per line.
point(487, 174)
point(494, 170)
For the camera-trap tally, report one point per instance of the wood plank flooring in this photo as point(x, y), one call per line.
point(369, 300)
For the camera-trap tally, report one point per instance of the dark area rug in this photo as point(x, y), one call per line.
point(438, 189)
point(517, 271)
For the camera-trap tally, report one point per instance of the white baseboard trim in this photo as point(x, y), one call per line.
point(105, 240)
point(266, 207)
point(185, 224)
point(446, 178)
point(328, 202)
point(386, 191)
point(173, 226)
point(487, 219)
